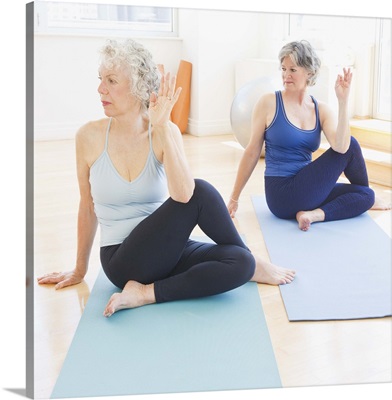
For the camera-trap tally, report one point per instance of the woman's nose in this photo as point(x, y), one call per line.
point(102, 89)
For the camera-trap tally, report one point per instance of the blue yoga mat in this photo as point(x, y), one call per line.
point(343, 268)
point(214, 343)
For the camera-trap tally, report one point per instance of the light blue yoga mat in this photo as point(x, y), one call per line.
point(343, 268)
point(214, 343)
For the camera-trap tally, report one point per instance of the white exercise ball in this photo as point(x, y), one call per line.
point(243, 104)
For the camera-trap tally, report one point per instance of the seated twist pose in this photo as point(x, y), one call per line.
point(290, 122)
point(135, 182)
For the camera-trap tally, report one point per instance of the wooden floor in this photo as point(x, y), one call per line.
point(307, 353)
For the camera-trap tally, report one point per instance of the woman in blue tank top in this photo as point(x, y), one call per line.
point(290, 122)
point(136, 184)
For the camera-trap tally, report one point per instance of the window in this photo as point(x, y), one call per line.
point(105, 19)
point(352, 40)
point(382, 94)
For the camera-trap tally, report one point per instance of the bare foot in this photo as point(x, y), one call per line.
point(381, 205)
point(133, 295)
point(271, 274)
point(306, 218)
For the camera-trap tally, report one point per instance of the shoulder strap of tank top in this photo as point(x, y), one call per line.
point(316, 108)
point(279, 99)
point(279, 103)
point(150, 135)
point(107, 134)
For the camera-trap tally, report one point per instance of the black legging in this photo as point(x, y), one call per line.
point(315, 186)
point(159, 251)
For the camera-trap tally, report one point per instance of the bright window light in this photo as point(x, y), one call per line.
point(104, 19)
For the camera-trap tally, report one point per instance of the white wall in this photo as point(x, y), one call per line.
point(213, 42)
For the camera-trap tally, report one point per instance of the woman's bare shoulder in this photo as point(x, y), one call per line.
point(267, 99)
point(326, 113)
point(90, 140)
point(265, 105)
point(91, 129)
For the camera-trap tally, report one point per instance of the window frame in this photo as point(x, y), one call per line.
point(378, 86)
point(113, 28)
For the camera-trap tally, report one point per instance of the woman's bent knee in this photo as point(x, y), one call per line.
point(201, 186)
point(246, 265)
point(371, 197)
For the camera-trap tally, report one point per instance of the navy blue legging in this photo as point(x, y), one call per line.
point(159, 250)
point(315, 186)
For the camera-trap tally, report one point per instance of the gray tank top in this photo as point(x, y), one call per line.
point(121, 205)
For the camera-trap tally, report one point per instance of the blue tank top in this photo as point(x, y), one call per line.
point(288, 148)
point(121, 205)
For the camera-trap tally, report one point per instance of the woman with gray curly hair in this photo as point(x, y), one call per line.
point(290, 122)
point(136, 184)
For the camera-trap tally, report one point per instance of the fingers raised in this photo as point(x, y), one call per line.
point(177, 94)
point(161, 69)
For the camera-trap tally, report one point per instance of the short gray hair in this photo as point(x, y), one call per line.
point(303, 54)
point(137, 62)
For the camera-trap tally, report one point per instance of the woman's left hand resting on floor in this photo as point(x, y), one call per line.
point(61, 279)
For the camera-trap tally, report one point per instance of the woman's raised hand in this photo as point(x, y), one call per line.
point(61, 279)
point(342, 84)
point(162, 103)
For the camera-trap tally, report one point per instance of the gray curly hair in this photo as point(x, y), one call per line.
point(303, 54)
point(136, 61)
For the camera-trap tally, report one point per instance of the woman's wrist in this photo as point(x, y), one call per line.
point(161, 126)
point(80, 271)
point(343, 102)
